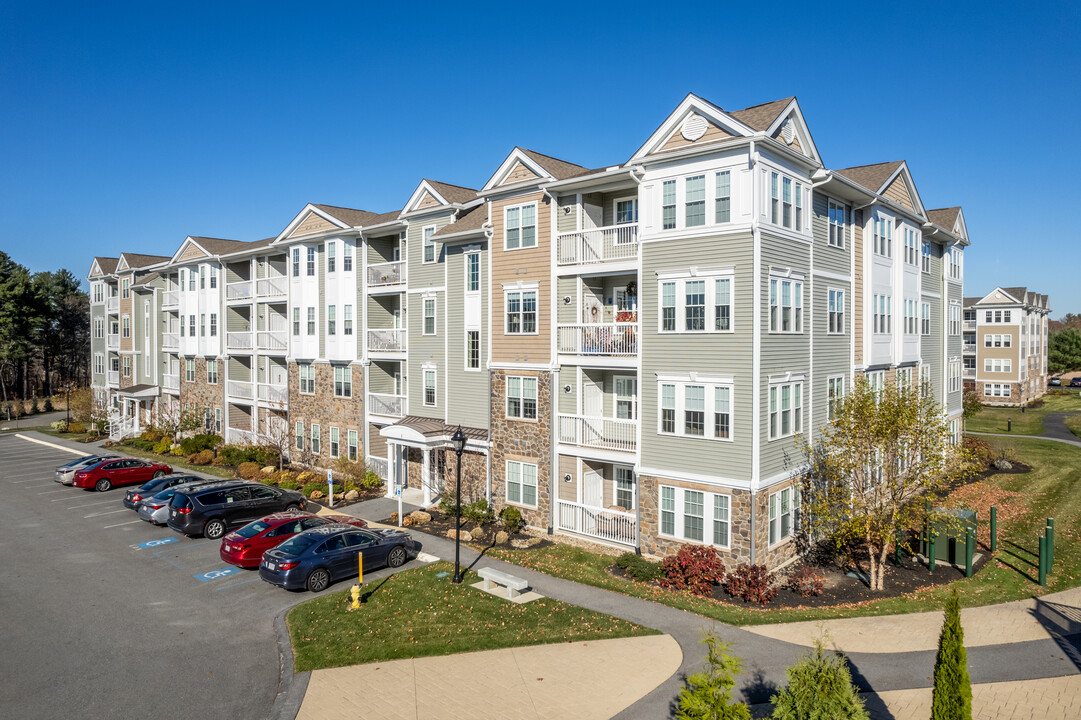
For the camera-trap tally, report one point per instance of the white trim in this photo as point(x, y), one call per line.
point(832, 276)
point(520, 285)
point(679, 515)
point(516, 155)
point(694, 377)
point(713, 480)
point(696, 272)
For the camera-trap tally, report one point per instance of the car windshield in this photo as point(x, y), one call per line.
point(80, 461)
point(153, 485)
point(180, 501)
point(298, 544)
point(165, 494)
point(252, 529)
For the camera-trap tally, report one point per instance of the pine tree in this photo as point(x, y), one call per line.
point(819, 687)
point(708, 695)
point(951, 698)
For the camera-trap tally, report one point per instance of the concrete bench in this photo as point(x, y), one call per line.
point(512, 583)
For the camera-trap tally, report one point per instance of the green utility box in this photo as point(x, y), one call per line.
point(950, 532)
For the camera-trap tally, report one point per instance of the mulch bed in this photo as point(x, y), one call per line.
point(441, 523)
point(340, 501)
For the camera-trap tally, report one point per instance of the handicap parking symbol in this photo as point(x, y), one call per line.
point(156, 543)
point(215, 574)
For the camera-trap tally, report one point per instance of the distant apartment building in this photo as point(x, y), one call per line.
point(632, 351)
point(1005, 345)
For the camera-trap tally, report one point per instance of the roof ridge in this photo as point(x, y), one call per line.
point(752, 107)
point(857, 167)
point(553, 157)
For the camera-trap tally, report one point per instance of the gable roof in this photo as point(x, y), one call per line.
point(219, 246)
point(872, 177)
point(455, 194)
point(944, 217)
point(349, 216)
point(469, 221)
point(131, 261)
point(761, 117)
point(107, 265)
point(559, 169)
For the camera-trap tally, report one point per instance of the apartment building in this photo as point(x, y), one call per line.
point(632, 351)
point(1005, 345)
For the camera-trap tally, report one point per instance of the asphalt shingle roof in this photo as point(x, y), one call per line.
point(760, 117)
point(472, 219)
point(871, 177)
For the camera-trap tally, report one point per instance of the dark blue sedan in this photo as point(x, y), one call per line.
point(315, 558)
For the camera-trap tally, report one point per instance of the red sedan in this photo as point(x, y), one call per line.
point(245, 547)
point(119, 471)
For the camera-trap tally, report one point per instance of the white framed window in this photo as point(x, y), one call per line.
point(997, 390)
point(911, 318)
point(189, 370)
point(202, 286)
point(296, 265)
point(925, 318)
point(785, 305)
point(332, 320)
point(904, 377)
point(125, 288)
point(694, 201)
point(521, 397)
point(213, 276)
point(334, 448)
point(429, 316)
point(925, 380)
point(347, 256)
point(625, 489)
point(521, 312)
point(722, 199)
point(882, 318)
point(785, 409)
point(298, 433)
point(347, 320)
point(311, 262)
point(429, 387)
point(837, 224)
point(836, 310)
point(472, 272)
point(998, 341)
point(912, 256)
point(695, 409)
point(955, 318)
point(998, 365)
point(925, 258)
point(472, 349)
point(429, 245)
point(202, 324)
point(876, 380)
point(835, 390)
point(212, 372)
point(954, 260)
point(786, 202)
point(343, 381)
point(668, 204)
point(722, 304)
point(99, 364)
point(125, 326)
point(882, 235)
point(191, 326)
point(296, 321)
point(332, 256)
point(352, 444)
point(306, 371)
point(520, 227)
point(315, 438)
point(626, 397)
point(625, 211)
point(954, 375)
point(696, 516)
point(783, 514)
point(191, 279)
point(217, 420)
point(311, 321)
point(522, 483)
point(213, 324)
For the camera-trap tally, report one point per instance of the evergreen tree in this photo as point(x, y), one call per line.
point(708, 695)
point(951, 698)
point(819, 688)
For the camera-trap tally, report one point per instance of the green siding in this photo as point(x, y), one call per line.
point(465, 389)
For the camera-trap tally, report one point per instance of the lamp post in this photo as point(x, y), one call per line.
point(67, 388)
point(458, 442)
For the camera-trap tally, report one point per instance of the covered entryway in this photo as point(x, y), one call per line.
point(135, 404)
point(421, 443)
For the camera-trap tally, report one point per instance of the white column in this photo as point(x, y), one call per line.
point(426, 478)
point(392, 468)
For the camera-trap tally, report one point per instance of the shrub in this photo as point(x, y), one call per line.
point(34, 406)
point(478, 512)
point(285, 476)
point(819, 686)
point(806, 581)
point(269, 481)
point(162, 447)
point(203, 457)
point(306, 476)
point(309, 488)
point(198, 443)
point(152, 435)
point(248, 470)
point(371, 480)
point(511, 518)
point(708, 694)
point(289, 485)
point(59, 425)
point(753, 583)
point(1007, 453)
point(48, 403)
point(76, 427)
point(236, 455)
point(219, 461)
point(177, 451)
point(141, 444)
point(639, 568)
point(449, 508)
point(951, 696)
point(695, 567)
point(983, 453)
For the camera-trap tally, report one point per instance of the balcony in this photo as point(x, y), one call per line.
point(236, 436)
point(270, 287)
point(239, 340)
point(387, 340)
point(170, 299)
point(239, 389)
point(389, 405)
point(112, 304)
point(608, 339)
point(598, 432)
point(615, 526)
point(170, 341)
point(112, 377)
point(274, 394)
point(112, 341)
point(969, 325)
point(969, 373)
point(597, 245)
point(272, 340)
point(238, 291)
point(382, 275)
point(969, 347)
point(170, 382)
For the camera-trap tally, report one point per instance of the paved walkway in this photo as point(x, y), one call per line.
point(1054, 428)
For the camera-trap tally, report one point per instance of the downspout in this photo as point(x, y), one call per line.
point(636, 174)
point(487, 227)
point(553, 371)
point(756, 353)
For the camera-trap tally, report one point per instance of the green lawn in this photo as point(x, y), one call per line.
point(1074, 424)
point(1030, 422)
point(1053, 488)
point(417, 614)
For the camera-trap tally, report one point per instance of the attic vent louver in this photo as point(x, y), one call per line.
point(788, 131)
point(694, 127)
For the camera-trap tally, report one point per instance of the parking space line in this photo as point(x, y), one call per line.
point(52, 492)
point(75, 507)
point(130, 522)
point(110, 512)
point(80, 453)
point(186, 547)
point(238, 582)
point(16, 482)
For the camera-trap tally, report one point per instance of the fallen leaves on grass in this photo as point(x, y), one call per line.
point(981, 497)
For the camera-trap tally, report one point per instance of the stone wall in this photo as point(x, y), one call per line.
point(526, 441)
point(201, 394)
point(474, 474)
point(326, 410)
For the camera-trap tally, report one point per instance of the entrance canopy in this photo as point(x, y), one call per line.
point(140, 391)
point(422, 432)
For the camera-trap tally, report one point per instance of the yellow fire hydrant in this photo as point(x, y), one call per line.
point(355, 592)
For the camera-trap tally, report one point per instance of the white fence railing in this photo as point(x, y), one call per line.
point(599, 339)
point(270, 287)
point(170, 382)
point(379, 466)
point(239, 290)
point(170, 298)
point(170, 340)
point(272, 339)
point(112, 304)
point(612, 525)
point(598, 432)
point(113, 377)
point(238, 340)
point(237, 436)
point(277, 394)
point(239, 389)
point(112, 341)
point(121, 427)
point(387, 340)
point(382, 274)
point(614, 242)
point(383, 404)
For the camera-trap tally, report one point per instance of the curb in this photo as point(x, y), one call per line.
point(291, 686)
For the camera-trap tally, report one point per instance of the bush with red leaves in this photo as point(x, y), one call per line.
point(806, 581)
point(695, 567)
point(753, 583)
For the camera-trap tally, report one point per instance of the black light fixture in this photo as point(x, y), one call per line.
point(458, 443)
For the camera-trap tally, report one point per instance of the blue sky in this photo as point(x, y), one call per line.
point(127, 126)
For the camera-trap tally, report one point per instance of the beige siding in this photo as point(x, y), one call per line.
point(427, 201)
point(519, 173)
point(676, 140)
point(313, 223)
point(898, 192)
point(525, 265)
point(192, 253)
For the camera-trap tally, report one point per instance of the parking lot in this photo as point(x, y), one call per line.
point(108, 616)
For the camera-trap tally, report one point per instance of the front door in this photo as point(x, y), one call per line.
point(278, 375)
point(593, 489)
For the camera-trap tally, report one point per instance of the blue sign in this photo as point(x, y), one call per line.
point(215, 574)
point(156, 543)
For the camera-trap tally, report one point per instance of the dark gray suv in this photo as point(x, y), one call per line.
point(213, 509)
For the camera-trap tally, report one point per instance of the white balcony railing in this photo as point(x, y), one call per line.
point(121, 427)
point(382, 274)
point(969, 373)
point(112, 341)
point(969, 347)
point(239, 290)
point(170, 341)
point(112, 304)
point(170, 299)
point(239, 340)
point(614, 242)
point(236, 436)
point(275, 394)
point(383, 404)
point(387, 340)
point(614, 526)
point(270, 287)
point(113, 377)
point(599, 339)
point(170, 382)
point(598, 432)
point(379, 466)
point(239, 389)
point(272, 339)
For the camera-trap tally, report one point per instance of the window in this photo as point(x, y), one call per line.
point(212, 372)
point(429, 388)
point(311, 321)
point(298, 433)
point(332, 259)
point(799, 207)
point(786, 206)
point(882, 241)
point(998, 341)
point(213, 276)
point(775, 198)
point(696, 515)
point(333, 442)
point(955, 319)
point(997, 365)
point(125, 288)
point(722, 203)
point(472, 349)
point(837, 224)
point(429, 244)
point(785, 306)
point(311, 262)
point(876, 381)
point(99, 364)
point(522, 397)
point(954, 259)
point(343, 381)
point(351, 444)
point(882, 319)
point(626, 211)
point(695, 201)
point(783, 514)
point(347, 256)
point(722, 304)
point(695, 305)
point(202, 285)
point(954, 376)
point(925, 380)
point(191, 279)
point(668, 307)
point(315, 438)
point(472, 272)
point(208, 420)
point(703, 409)
point(307, 378)
point(625, 488)
point(996, 390)
point(347, 320)
point(911, 318)
point(786, 202)
point(217, 420)
point(202, 324)
point(836, 311)
point(1005, 316)
point(125, 326)
point(213, 324)
point(926, 258)
point(706, 305)
point(296, 321)
point(332, 319)
point(296, 262)
point(626, 398)
point(429, 316)
point(99, 295)
point(911, 239)
point(521, 229)
point(904, 377)
point(127, 365)
point(521, 312)
point(835, 390)
point(521, 483)
point(668, 204)
point(189, 369)
point(785, 410)
point(925, 318)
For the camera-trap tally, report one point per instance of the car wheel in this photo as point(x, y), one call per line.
point(318, 580)
point(396, 558)
point(214, 529)
point(292, 507)
point(103, 485)
point(158, 474)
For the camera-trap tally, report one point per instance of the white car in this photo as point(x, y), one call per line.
point(65, 474)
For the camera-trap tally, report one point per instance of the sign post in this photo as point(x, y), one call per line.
point(399, 492)
point(330, 486)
